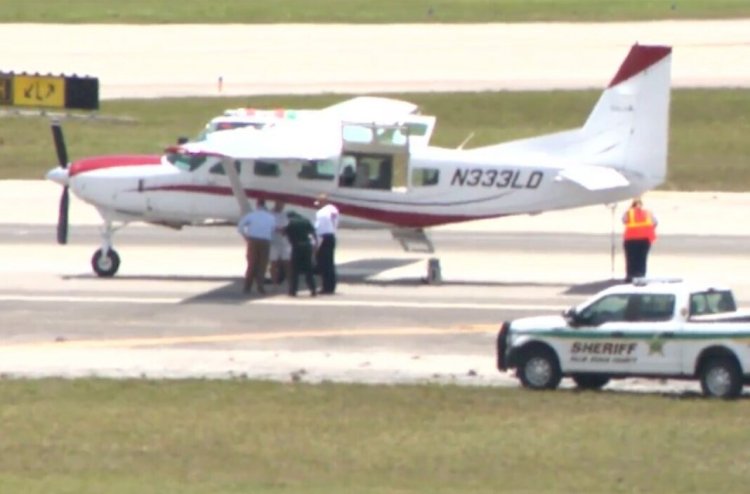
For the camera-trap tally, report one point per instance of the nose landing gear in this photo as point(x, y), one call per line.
point(105, 261)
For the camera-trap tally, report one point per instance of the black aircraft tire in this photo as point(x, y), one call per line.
point(105, 266)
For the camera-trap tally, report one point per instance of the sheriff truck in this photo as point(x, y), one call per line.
point(665, 328)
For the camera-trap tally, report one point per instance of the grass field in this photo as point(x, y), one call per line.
point(364, 11)
point(709, 145)
point(93, 436)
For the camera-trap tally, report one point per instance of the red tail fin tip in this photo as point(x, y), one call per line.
point(639, 59)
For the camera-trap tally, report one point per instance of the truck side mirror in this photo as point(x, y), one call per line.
point(571, 316)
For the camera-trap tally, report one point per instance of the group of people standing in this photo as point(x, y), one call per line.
point(292, 244)
point(295, 247)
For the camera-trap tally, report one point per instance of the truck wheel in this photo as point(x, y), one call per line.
point(720, 378)
point(588, 381)
point(539, 369)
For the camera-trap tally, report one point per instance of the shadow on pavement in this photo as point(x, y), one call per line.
point(359, 272)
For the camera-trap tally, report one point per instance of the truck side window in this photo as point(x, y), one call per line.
point(641, 307)
point(711, 302)
point(606, 309)
point(655, 307)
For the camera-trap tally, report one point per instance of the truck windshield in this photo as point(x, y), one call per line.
point(712, 302)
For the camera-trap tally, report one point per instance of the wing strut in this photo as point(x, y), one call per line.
point(234, 181)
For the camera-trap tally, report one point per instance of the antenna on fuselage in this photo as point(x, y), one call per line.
point(465, 141)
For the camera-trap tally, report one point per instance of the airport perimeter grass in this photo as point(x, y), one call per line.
point(196, 436)
point(363, 11)
point(709, 144)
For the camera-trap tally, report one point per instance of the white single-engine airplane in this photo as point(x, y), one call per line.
point(370, 169)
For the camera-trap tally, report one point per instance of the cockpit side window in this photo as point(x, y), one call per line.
point(186, 161)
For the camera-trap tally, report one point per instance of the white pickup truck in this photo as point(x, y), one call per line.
point(651, 328)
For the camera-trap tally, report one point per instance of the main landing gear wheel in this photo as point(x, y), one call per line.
point(105, 265)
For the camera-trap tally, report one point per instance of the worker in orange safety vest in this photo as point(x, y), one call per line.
point(640, 233)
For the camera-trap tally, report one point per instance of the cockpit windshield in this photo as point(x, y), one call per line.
point(186, 161)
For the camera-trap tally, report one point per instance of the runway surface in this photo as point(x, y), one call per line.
point(175, 309)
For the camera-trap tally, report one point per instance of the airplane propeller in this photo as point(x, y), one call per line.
point(62, 158)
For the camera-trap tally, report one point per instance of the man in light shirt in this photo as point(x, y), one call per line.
point(281, 250)
point(257, 228)
point(326, 224)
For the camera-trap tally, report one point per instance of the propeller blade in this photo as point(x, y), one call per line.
point(62, 152)
point(62, 218)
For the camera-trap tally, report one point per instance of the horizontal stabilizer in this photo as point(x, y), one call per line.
point(593, 177)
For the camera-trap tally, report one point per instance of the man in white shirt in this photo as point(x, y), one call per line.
point(257, 228)
point(326, 224)
point(281, 250)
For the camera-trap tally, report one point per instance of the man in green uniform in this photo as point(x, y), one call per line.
point(302, 237)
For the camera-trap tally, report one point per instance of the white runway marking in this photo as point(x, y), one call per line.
point(89, 299)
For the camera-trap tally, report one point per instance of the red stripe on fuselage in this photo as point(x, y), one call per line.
point(101, 162)
point(396, 218)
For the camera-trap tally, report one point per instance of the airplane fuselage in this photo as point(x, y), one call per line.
point(435, 186)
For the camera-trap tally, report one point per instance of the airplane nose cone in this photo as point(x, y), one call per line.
point(58, 175)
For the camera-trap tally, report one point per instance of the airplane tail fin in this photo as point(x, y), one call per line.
point(623, 143)
point(628, 128)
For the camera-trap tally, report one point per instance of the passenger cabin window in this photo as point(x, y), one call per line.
point(712, 302)
point(642, 307)
point(317, 170)
point(218, 168)
point(266, 169)
point(422, 177)
point(416, 129)
point(186, 161)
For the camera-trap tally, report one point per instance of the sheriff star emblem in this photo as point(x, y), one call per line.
point(656, 345)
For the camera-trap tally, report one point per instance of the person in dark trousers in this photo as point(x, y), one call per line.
point(639, 234)
point(326, 224)
point(257, 227)
point(301, 235)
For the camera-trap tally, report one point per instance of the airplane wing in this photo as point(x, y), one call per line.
point(593, 177)
point(318, 139)
point(371, 108)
